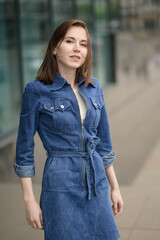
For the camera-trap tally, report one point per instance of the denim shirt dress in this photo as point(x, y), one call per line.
point(74, 198)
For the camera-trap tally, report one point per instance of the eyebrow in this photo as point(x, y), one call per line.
point(74, 39)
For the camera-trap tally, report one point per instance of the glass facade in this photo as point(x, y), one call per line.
point(140, 14)
point(10, 83)
point(26, 25)
point(34, 27)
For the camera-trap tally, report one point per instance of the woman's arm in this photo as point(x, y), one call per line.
point(105, 150)
point(33, 210)
point(115, 191)
point(24, 165)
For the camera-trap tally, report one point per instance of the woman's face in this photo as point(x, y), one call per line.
point(72, 52)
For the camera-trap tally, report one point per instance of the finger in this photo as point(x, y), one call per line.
point(41, 220)
point(38, 222)
point(115, 208)
point(115, 214)
point(34, 225)
point(120, 207)
point(118, 213)
point(119, 210)
point(39, 225)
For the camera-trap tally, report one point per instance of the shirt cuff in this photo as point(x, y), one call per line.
point(25, 170)
point(108, 159)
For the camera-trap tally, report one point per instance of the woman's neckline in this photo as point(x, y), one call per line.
point(75, 89)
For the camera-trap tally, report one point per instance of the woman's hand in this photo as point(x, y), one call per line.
point(117, 202)
point(115, 192)
point(34, 214)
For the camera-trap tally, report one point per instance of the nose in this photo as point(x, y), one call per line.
point(77, 47)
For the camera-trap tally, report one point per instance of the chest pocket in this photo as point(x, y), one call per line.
point(96, 106)
point(58, 112)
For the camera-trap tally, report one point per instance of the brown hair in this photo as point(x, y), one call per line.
point(49, 66)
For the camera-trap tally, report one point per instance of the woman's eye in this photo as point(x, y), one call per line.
point(69, 41)
point(84, 45)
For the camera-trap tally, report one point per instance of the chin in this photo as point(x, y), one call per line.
point(75, 66)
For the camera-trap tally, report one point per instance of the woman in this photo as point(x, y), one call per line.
point(67, 109)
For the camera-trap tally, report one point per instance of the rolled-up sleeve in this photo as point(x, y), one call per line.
point(29, 117)
point(104, 148)
point(108, 159)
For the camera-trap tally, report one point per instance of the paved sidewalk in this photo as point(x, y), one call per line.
point(141, 217)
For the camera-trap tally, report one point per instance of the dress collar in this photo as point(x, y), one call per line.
point(60, 82)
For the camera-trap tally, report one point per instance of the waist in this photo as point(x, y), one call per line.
point(90, 149)
point(55, 153)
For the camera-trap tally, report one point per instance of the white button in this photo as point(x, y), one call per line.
point(62, 106)
point(52, 107)
point(99, 104)
point(95, 104)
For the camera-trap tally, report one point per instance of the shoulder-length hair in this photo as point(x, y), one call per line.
point(49, 66)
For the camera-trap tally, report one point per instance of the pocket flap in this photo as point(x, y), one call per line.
point(58, 104)
point(97, 101)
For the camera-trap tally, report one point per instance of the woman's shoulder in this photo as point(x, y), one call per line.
point(34, 85)
point(33, 88)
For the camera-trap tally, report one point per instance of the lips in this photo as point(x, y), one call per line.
point(75, 57)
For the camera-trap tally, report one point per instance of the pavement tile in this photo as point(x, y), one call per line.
point(149, 178)
point(150, 214)
point(21, 233)
point(131, 196)
point(142, 200)
point(150, 174)
point(144, 234)
point(124, 233)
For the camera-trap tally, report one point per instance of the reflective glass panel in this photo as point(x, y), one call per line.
point(9, 68)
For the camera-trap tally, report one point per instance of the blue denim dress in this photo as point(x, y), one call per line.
point(74, 197)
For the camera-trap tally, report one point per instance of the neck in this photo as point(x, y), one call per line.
point(69, 75)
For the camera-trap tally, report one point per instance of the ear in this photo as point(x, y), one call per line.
point(54, 51)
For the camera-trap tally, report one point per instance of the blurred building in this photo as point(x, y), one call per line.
point(119, 31)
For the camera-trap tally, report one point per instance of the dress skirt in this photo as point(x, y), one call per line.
point(68, 214)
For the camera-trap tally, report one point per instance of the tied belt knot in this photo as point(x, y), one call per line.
point(88, 158)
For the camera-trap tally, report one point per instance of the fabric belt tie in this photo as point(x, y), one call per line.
point(88, 158)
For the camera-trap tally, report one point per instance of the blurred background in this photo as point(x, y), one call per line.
point(125, 36)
